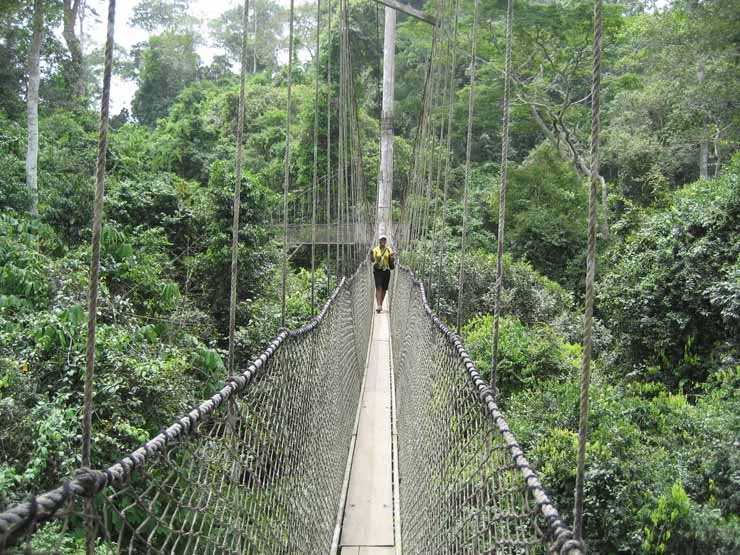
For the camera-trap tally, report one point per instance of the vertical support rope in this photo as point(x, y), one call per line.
point(238, 186)
point(341, 175)
point(92, 298)
point(471, 104)
point(315, 160)
point(286, 180)
point(448, 148)
point(502, 197)
point(419, 169)
point(590, 271)
point(328, 156)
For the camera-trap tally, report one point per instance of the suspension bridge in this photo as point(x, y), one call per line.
point(359, 433)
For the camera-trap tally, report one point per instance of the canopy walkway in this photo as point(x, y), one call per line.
point(359, 433)
point(263, 467)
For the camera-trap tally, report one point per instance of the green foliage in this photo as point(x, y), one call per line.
point(226, 31)
point(152, 15)
point(671, 513)
point(546, 215)
point(52, 538)
point(663, 111)
point(169, 63)
point(526, 353)
point(527, 295)
point(671, 287)
point(149, 365)
point(662, 466)
point(641, 439)
point(261, 317)
point(13, 190)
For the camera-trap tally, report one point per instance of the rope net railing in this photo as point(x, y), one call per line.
point(256, 469)
point(465, 485)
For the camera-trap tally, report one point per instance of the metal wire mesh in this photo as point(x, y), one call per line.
point(256, 469)
point(465, 486)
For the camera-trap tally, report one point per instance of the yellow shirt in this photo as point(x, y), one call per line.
point(382, 258)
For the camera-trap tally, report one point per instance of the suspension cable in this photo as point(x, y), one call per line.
point(286, 180)
point(328, 158)
point(341, 174)
point(418, 173)
point(238, 187)
point(315, 159)
point(590, 271)
point(502, 197)
point(471, 104)
point(438, 153)
point(412, 187)
point(448, 148)
point(92, 298)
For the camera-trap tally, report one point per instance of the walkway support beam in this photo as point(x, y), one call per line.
point(408, 10)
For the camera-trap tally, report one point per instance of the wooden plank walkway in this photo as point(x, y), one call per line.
point(368, 526)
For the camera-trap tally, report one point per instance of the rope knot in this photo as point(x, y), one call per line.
point(90, 481)
point(571, 546)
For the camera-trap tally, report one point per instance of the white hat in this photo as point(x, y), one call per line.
point(383, 236)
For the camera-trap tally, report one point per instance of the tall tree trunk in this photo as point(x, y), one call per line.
point(385, 185)
point(32, 98)
point(717, 153)
point(254, 40)
point(704, 145)
point(71, 11)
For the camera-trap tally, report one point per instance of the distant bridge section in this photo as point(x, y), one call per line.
point(333, 234)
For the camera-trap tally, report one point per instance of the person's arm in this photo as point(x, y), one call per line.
point(372, 256)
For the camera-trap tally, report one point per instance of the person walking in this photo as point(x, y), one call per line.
point(383, 262)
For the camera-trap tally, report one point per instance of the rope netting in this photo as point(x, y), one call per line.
point(465, 485)
point(256, 469)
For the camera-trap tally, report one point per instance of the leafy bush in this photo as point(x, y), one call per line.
point(526, 353)
point(671, 291)
point(546, 205)
point(13, 190)
point(642, 439)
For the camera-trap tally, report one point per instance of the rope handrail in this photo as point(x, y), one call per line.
point(87, 482)
point(562, 537)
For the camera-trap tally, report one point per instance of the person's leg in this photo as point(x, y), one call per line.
point(378, 278)
point(386, 283)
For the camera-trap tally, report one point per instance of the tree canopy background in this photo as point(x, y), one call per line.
point(663, 464)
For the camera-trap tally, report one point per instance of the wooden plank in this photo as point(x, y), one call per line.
point(368, 515)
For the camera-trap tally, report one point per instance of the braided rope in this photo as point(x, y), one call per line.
point(237, 187)
point(469, 141)
point(21, 519)
point(97, 227)
point(590, 271)
point(92, 299)
point(315, 159)
point(560, 537)
point(502, 197)
point(286, 177)
point(328, 155)
point(452, 46)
